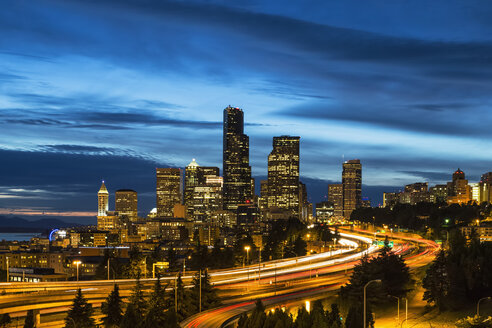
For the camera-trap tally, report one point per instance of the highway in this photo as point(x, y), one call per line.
point(415, 256)
point(296, 275)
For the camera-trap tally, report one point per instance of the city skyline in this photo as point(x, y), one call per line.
point(410, 101)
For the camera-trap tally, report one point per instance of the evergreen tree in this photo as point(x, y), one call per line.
point(112, 309)
point(5, 320)
point(182, 298)
point(436, 282)
point(156, 317)
point(136, 309)
point(334, 317)
point(355, 317)
point(318, 315)
point(29, 322)
point(80, 313)
point(209, 299)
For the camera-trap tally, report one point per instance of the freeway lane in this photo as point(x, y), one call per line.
point(217, 317)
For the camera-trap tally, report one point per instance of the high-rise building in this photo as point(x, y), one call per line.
point(126, 203)
point(191, 181)
point(207, 199)
point(335, 196)
point(458, 189)
point(486, 188)
point(237, 171)
point(168, 190)
point(102, 200)
point(283, 175)
point(475, 192)
point(324, 211)
point(352, 186)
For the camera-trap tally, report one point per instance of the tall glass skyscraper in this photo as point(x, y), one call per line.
point(168, 190)
point(283, 175)
point(352, 186)
point(237, 171)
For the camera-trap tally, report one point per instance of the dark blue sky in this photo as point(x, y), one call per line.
point(112, 89)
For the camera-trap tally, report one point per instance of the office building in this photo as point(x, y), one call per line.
point(458, 189)
point(486, 188)
point(283, 176)
point(168, 190)
point(324, 212)
point(237, 171)
point(102, 200)
point(352, 186)
point(335, 196)
point(126, 203)
point(201, 179)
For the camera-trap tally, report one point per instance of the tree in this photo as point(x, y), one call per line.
point(136, 309)
point(29, 322)
point(355, 317)
point(5, 320)
point(182, 298)
point(209, 298)
point(112, 309)
point(436, 282)
point(80, 314)
point(387, 266)
point(156, 316)
point(334, 318)
point(133, 269)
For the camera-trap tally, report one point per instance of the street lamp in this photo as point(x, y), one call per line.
point(77, 263)
point(247, 248)
point(478, 304)
point(365, 286)
point(398, 299)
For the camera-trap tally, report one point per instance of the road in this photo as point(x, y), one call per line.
point(424, 253)
point(268, 280)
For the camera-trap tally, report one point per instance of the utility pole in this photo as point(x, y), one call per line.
point(7, 268)
point(259, 266)
point(108, 268)
point(275, 278)
point(200, 298)
point(176, 294)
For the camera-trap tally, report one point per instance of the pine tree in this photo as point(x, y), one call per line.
point(80, 313)
point(112, 309)
point(184, 306)
point(334, 316)
point(156, 317)
point(436, 282)
point(136, 309)
point(29, 322)
point(5, 320)
point(209, 298)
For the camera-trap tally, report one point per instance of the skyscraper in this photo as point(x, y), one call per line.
point(102, 200)
point(486, 187)
point(237, 172)
point(191, 181)
point(283, 175)
point(335, 196)
point(126, 203)
point(168, 190)
point(352, 186)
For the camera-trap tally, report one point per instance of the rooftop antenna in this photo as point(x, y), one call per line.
point(343, 158)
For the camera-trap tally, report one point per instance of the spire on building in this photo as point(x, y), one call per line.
point(193, 163)
point(103, 189)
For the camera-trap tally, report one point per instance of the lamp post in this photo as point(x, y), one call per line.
point(478, 304)
point(365, 286)
point(77, 263)
point(406, 312)
point(398, 299)
point(247, 248)
point(7, 258)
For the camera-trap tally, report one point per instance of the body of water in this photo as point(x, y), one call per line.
point(19, 236)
